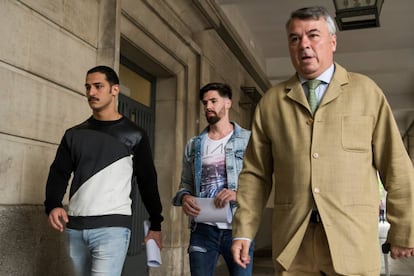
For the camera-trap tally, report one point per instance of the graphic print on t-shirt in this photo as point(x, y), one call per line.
point(213, 174)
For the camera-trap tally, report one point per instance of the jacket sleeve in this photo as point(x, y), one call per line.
point(146, 176)
point(255, 180)
point(59, 175)
point(397, 174)
point(187, 174)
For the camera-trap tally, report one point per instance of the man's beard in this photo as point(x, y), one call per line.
point(213, 119)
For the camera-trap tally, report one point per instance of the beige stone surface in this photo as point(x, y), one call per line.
point(77, 17)
point(40, 46)
point(11, 161)
point(38, 109)
point(24, 166)
point(35, 169)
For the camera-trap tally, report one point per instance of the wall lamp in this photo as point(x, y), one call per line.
point(357, 14)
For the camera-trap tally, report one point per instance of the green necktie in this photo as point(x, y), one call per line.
point(313, 102)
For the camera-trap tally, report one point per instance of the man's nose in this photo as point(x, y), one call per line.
point(209, 105)
point(91, 91)
point(304, 42)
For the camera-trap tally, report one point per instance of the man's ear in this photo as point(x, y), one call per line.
point(115, 89)
point(228, 103)
point(333, 42)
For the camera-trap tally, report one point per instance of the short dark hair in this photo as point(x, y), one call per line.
point(223, 89)
point(109, 73)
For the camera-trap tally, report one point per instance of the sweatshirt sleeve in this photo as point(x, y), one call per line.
point(59, 175)
point(146, 176)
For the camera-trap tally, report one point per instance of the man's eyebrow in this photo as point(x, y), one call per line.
point(313, 30)
point(94, 84)
point(210, 99)
point(310, 31)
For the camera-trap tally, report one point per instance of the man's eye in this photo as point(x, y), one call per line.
point(294, 39)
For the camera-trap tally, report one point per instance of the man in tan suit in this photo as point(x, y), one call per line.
point(323, 164)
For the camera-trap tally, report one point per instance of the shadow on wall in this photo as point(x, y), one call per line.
point(28, 246)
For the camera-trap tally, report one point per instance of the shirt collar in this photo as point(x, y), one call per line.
point(325, 77)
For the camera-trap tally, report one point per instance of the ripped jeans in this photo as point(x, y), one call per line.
point(206, 244)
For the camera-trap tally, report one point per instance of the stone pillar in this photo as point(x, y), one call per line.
point(109, 34)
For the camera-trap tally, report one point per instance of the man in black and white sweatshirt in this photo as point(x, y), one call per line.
point(106, 154)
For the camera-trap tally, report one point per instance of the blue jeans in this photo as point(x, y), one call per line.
point(206, 244)
point(99, 251)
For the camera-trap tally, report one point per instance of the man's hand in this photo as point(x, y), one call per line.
point(156, 236)
point(57, 218)
point(240, 250)
point(398, 252)
point(224, 197)
point(190, 206)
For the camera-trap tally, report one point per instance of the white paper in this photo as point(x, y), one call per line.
point(153, 251)
point(209, 212)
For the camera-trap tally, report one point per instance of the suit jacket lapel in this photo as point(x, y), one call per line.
point(295, 91)
point(335, 88)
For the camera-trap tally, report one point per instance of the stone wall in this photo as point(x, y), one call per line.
point(28, 245)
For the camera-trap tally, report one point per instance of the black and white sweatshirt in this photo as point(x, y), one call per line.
point(106, 158)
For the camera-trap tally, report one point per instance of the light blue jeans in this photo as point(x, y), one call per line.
point(99, 251)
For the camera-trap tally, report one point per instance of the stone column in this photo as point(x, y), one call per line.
point(109, 34)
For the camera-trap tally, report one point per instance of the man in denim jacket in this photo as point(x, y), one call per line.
point(211, 166)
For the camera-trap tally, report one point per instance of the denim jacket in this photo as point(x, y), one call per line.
point(192, 165)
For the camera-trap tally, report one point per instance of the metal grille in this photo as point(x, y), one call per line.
point(143, 116)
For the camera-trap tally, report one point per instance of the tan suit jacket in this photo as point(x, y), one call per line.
point(332, 160)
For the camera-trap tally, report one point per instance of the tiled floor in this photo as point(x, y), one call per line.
point(263, 264)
